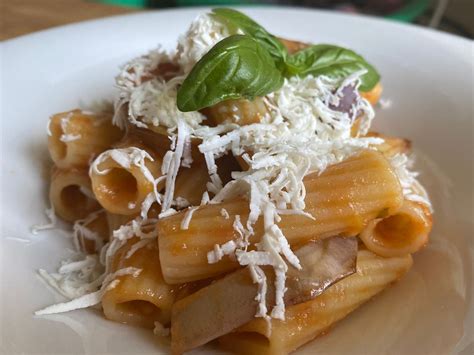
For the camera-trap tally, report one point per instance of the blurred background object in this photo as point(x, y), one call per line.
point(24, 16)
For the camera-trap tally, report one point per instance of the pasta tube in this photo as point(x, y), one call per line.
point(70, 194)
point(76, 137)
point(403, 233)
point(305, 321)
point(139, 299)
point(343, 200)
point(122, 178)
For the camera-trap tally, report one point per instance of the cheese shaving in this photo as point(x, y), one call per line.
point(187, 218)
point(69, 137)
point(160, 330)
point(385, 104)
point(258, 277)
point(220, 251)
point(47, 226)
point(48, 127)
point(203, 33)
point(89, 299)
point(224, 213)
point(153, 103)
point(412, 189)
point(78, 275)
point(174, 164)
point(65, 137)
point(126, 158)
point(82, 232)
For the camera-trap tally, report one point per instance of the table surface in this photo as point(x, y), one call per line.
point(20, 17)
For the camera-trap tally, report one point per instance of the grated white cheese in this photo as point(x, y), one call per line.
point(205, 199)
point(126, 158)
point(153, 104)
point(47, 226)
point(220, 250)
point(146, 99)
point(78, 275)
point(224, 213)
point(258, 277)
point(69, 137)
point(90, 299)
point(180, 203)
point(385, 104)
point(412, 189)
point(160, 330)
point(203, 33)
point(48, 127)
point(187, 218)
point(81, 232)
point(66, 137)
point(243, 240)
point(172, 167)
point(140, 69)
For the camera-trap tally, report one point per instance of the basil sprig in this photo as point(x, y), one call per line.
point(235, 20)
point(254, 64)
point(332, 61)
point(236, 67)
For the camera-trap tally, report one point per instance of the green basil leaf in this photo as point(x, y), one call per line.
point(234, 20)
point(236, 67)
point(332, 61)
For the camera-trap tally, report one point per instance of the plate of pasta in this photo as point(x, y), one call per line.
point(251, 181)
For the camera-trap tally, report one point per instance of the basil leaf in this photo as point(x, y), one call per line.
point(236, 67)
point(234, 20)
point(333, 61)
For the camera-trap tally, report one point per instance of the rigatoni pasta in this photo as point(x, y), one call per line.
point(141, 299)
point(236, 194)
point(122, 178)
point(76, 137)
point(403, 233)
point(71, 194)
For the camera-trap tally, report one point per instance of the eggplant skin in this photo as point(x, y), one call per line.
point(325, 262)
point(232, 298)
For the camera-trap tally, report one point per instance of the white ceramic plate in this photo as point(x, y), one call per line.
point(428, 79)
